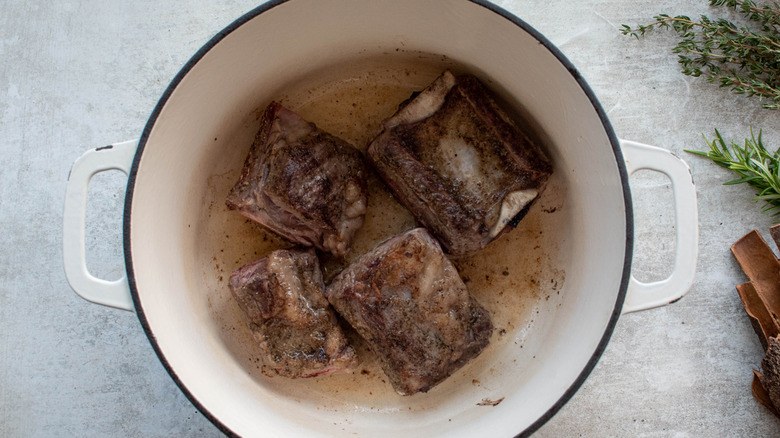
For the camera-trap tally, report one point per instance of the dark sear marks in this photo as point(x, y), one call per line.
point(406, 300)
point(302, 183)
point(296, 329)
point(459, 164)
point(463, 169)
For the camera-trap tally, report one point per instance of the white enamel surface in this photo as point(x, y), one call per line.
point(188, 144)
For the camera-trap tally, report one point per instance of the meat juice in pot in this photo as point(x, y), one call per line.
point(513, 277)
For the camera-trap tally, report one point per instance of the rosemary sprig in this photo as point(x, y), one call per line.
point(745, 60)
point(752, 163)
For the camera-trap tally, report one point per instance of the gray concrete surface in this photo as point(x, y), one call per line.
point(80, 74)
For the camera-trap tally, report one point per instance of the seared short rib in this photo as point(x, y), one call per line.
point(297, 331)
point(301, 182)
point(459, 163)
point(406, 300)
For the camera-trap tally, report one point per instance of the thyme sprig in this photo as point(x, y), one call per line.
point(743, 59)
point(752, 163)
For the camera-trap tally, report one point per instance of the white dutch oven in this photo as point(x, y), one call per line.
point(566, 270)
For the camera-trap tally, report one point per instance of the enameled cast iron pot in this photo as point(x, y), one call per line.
point(568, 263)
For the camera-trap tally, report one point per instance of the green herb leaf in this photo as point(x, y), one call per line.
point(752, 163)
point(740, 58)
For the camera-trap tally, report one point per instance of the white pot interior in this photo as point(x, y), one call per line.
point(553, 285)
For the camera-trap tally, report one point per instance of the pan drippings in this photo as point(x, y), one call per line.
point(511, 277)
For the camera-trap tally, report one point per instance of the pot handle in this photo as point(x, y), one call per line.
point(118, 156)
point(642, 296)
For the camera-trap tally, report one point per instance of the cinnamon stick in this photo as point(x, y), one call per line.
point(759, 392)
point(774, 231)
point(761, 299)
point(761, 319)
point(761, 266)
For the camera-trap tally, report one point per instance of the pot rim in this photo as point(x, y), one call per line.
point(614, 142)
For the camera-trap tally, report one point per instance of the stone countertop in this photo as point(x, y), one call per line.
point(81, 74)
